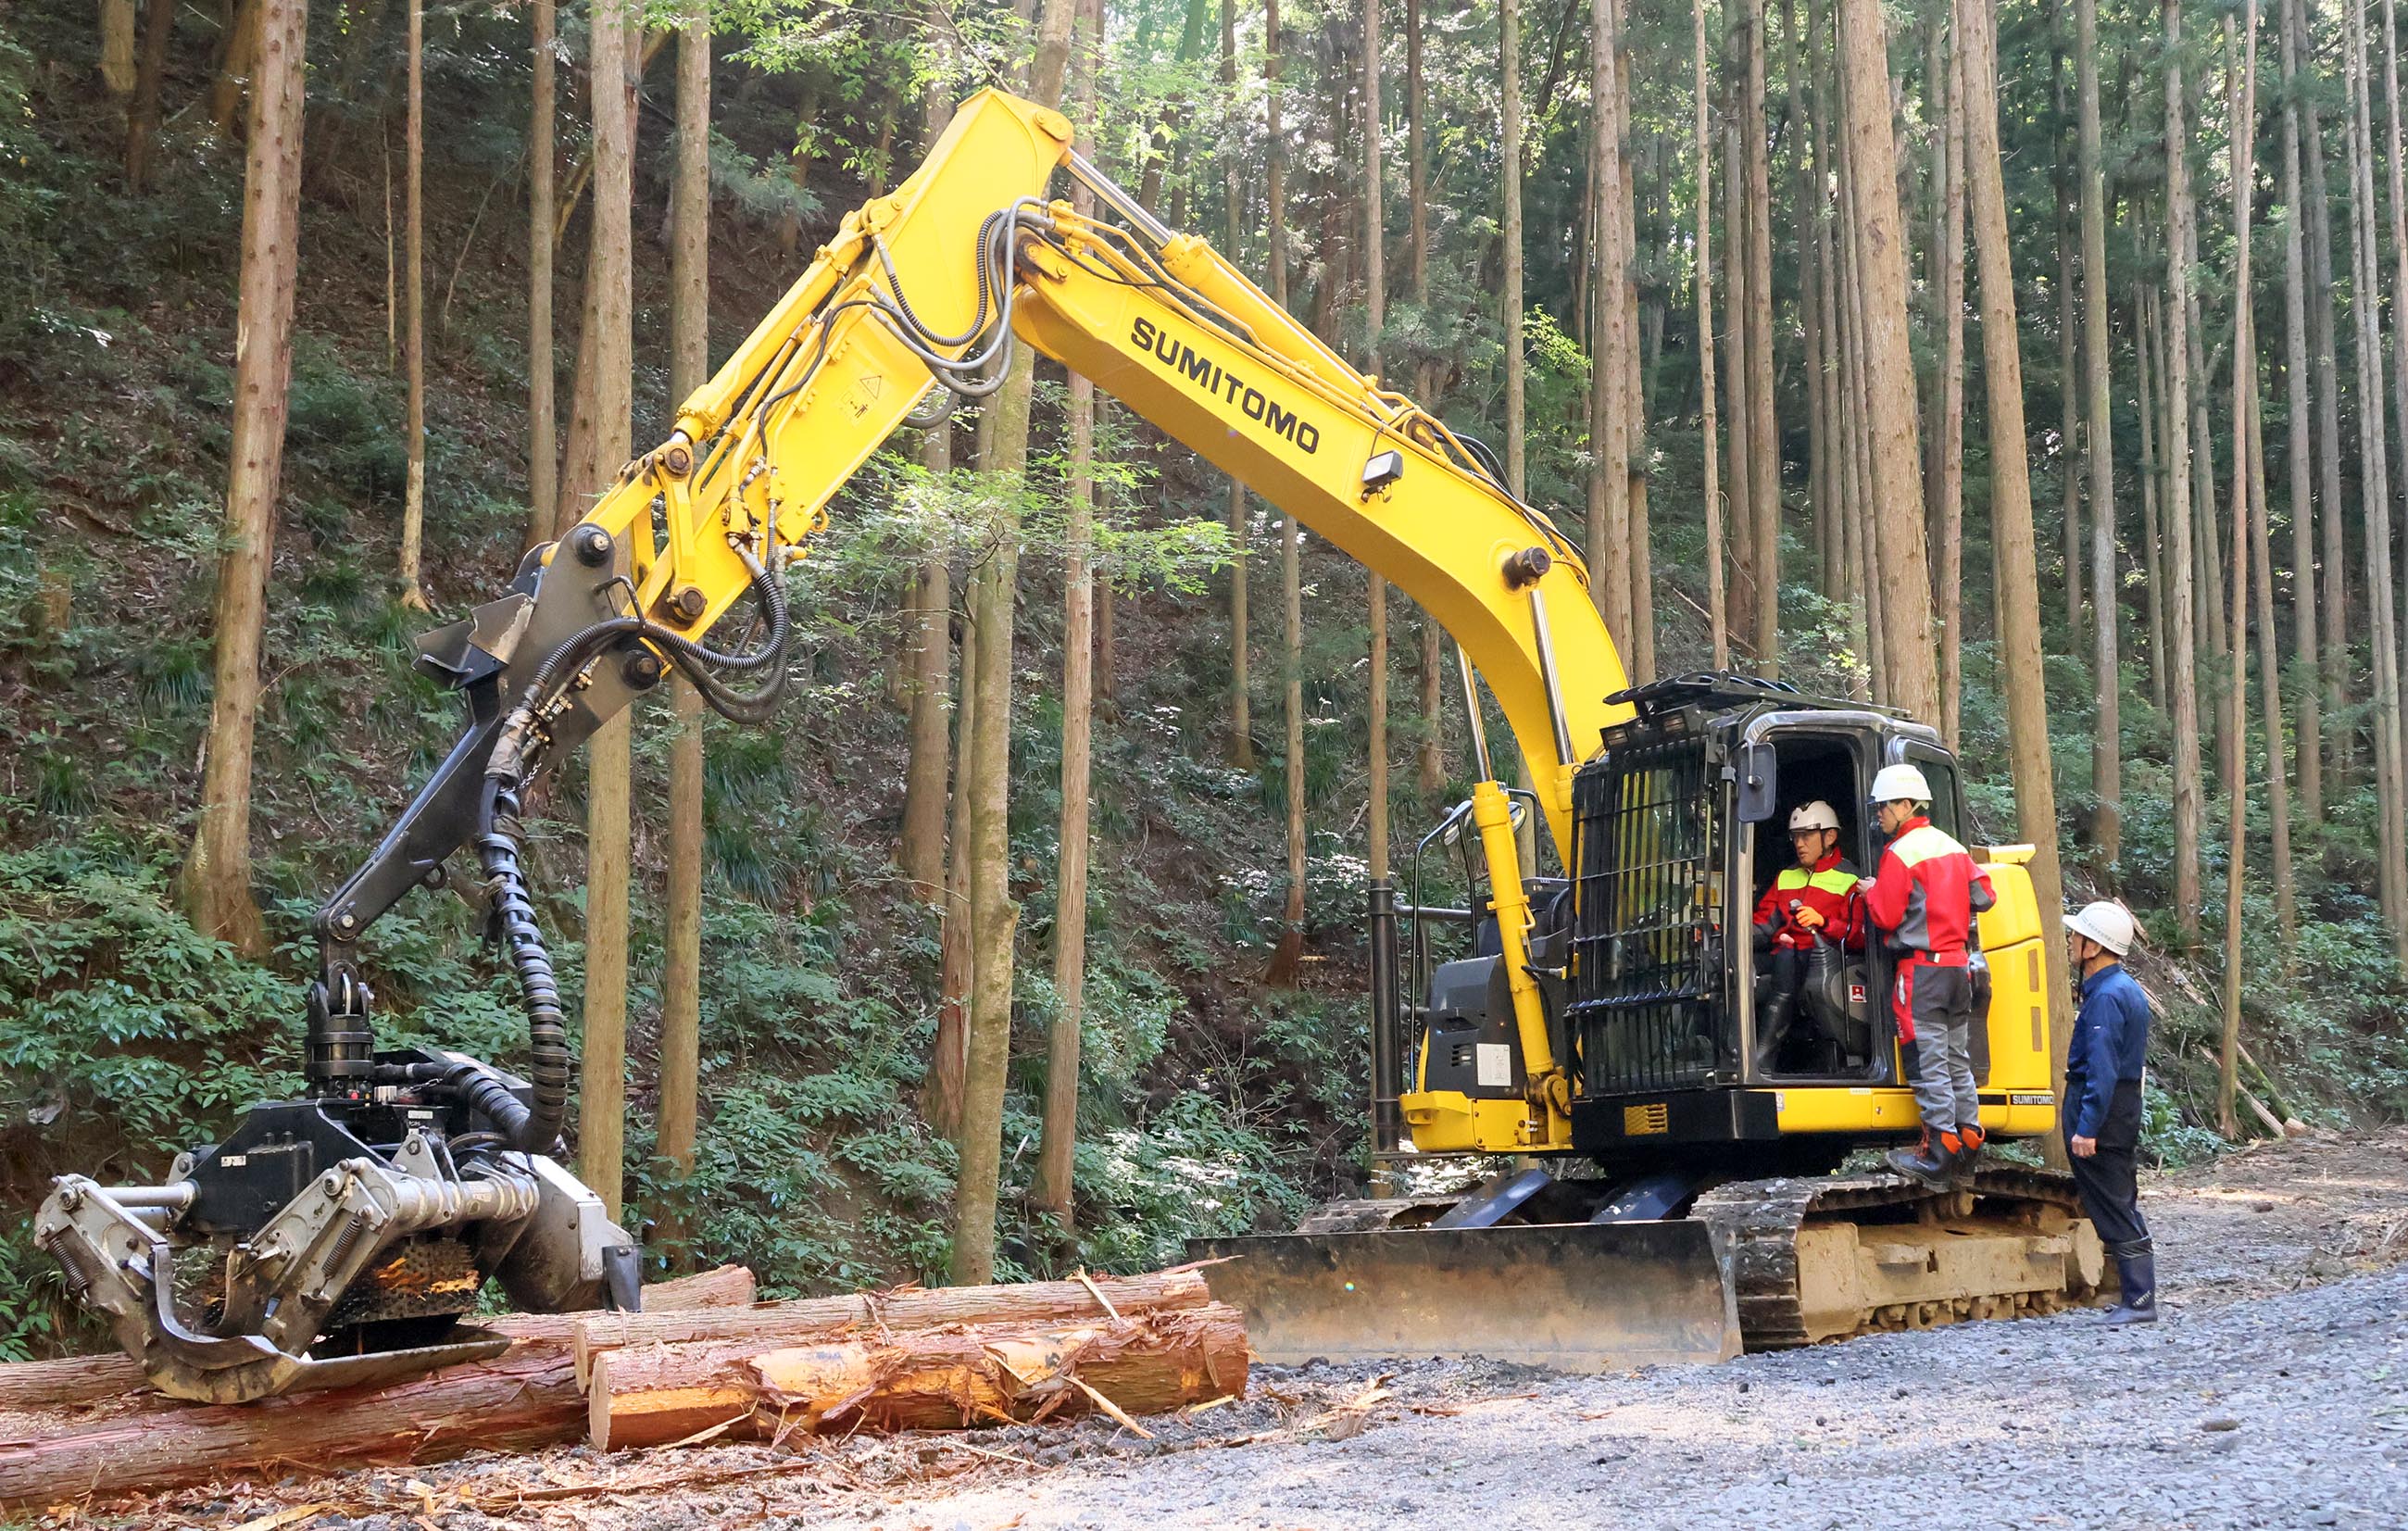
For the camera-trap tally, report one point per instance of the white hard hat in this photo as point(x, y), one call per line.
point(1814, 815)
point(2107, 923)
point(1901, 784)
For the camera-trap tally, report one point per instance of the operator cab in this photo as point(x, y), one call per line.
point(1680, 829)
point(1668, 1016)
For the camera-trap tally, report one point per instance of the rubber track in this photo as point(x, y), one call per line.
point(1758, 1223)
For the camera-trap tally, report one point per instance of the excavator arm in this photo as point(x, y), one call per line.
point(928, 289)
point(365, 1217)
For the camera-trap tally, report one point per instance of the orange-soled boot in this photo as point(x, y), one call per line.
point(1971, 1140)
point(1930, 1161)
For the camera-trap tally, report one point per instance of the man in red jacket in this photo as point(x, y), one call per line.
point(1818, 896)
point(1924, 899)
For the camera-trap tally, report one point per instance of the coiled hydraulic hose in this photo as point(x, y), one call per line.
point(535, 1129)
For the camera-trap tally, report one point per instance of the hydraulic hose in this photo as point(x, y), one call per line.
point(509, 762)
point(484, 1091)
point(535, 1129)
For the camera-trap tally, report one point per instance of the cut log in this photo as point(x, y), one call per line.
point(917, 1379)
point(759, 1328)
point(69, 1380)
point(89, 1378)
point(526, 1397)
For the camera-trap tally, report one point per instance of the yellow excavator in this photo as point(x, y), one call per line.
point(1603, 1023)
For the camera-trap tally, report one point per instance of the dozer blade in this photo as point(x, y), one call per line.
point(1573, 1296)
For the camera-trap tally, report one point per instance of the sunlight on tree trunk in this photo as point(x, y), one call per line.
point(1508, 23)
point(995, 915)
point(240, 48)
point(2098, 454)
point(949, 1057)
point(1740, 595)
point(689, 369)
point(2182, 640)
point(606, 395)
point(2068, 353)
point(1608, 474)
point(1717, 614)
point(2375, 494)
point(1899, 559)
point(1638, 637)
point(2333, 607)
point(1050, 1188)
point(2399, 283)
point(923, 851)
point(1240, 748)
point(216, 883)
point(543, 448)
point(413, 508)
point(2308, 726)
point(2241, 107)
point(142, 112)
point(1763, 427)
point(1948, 574)
point(2145, 312)
point(117, 45)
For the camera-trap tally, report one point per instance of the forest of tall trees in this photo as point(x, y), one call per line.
point(1724, 285)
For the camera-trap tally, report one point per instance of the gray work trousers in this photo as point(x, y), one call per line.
point(1933, 1006)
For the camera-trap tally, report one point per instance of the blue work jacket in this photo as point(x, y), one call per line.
point(2111, 1040)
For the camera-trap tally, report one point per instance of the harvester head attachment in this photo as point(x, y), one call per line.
point(1571, 1296)
point(331, 1243)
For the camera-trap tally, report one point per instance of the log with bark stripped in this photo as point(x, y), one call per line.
point(817, 1318)
point(917, 1379)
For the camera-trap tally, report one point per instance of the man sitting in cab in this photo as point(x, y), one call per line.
point(1815, 896)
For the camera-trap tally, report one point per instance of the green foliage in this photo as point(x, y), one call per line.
point(1192, 1170)
point(125, 1038)
point(2168, 1139)
point(342, 425)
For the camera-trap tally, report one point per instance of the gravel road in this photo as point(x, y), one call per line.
point(2275, 1394)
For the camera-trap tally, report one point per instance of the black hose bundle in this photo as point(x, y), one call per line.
point(536, 1130)
point(508, 760)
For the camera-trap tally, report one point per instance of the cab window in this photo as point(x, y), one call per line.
point(1941, 773)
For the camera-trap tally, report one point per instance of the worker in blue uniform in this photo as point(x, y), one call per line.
point(2103, 1063)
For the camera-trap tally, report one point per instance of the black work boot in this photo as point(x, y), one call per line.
point(2136, 1269)
point(1971, 1141)
point(1929, 1161)
point(1774, 1031)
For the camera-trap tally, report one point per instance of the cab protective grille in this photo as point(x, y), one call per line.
point(1645, 955)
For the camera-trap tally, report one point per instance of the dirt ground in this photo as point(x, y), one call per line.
point(2275, 1393)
